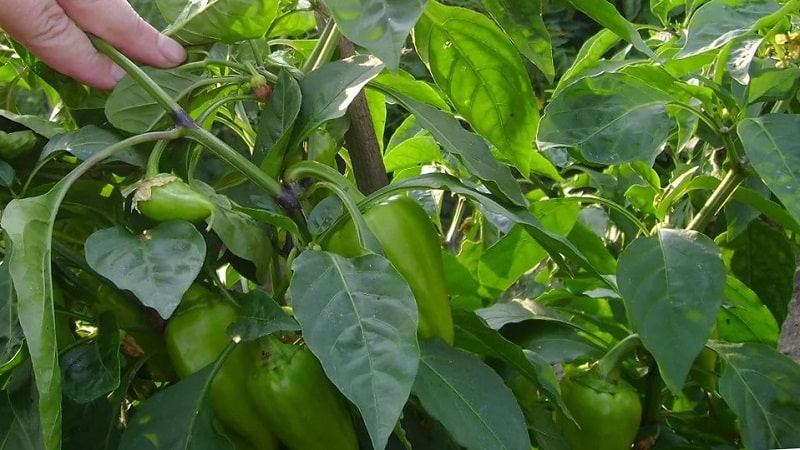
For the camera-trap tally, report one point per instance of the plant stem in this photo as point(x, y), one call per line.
point(612, 359)
point(154, 159)
point(719, 198)
point(321, 172)
point(652, 395)
point(324, 49)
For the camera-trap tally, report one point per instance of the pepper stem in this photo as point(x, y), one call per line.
point(609, 363)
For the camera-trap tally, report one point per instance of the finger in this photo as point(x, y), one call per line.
point(116, 22)
point(44, 29)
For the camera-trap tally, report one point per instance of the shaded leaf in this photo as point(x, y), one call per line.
point(275, 124)
point(92, 369)
point(87, 141)
point(743, 318)
point(260, 316)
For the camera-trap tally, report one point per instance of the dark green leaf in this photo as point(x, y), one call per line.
point(38, 125)
point(242, 235)
point(483, 75)
point(673, 284)
point(469, 399)
point(87, 141)
point(157, 266)
point(501, 314)
point(607, 127)
point(260, 316)
point(11, 337)
point(380, 26)
point(359, 318)
point(19, 417)
point(720, 21)
point(6, 174)
point(762, 387)
point(178, 417)
point(131, 108)
point(275, 124)
point(92, 369)
point(329, 90)
point(555, 342)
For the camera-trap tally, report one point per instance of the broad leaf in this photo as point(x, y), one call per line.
point(522, 21)
point(19, 418)
point(260, 316)
point(762, 387)
point(131, 108)
point(275, 124)
point(87, 141)
point(38, 125)
point(404, 83)
point(743, 318)
point(720, 21)
point(11, 338)
point(158, 266)
point(606, 127)
point(673, 284)
point(360, 318)
point(772, 145)
point(92, 369)
point(484, 77)
point(329, 90)
point(178, 417)
point(469, 399)
point(204, 21)
point(380, 26)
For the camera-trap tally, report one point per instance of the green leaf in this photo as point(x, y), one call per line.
point(204, 21)
point(762, 387)
point(360, 318)
point(673, 284)
point(763, 258)
point(483, 75)
point(772, 145)
point(329, 90)
point(522, 21)
point(178, 417)
point(260, 316)
point(743, 318)
point(6, 174)
point(86, 141)
point(275, 124)
point(589, 56)
point(604, 13)
point(469, 399)
point(555, 342)
point(11, 337)
point(515, 311)
point(38, 125)
point(158, 266)
point(243, 237)
point(380, 26)
point(92, 369)
point(404, 83)
point(474, 335)
point(469, 147)
point(412, 152)
point(131, 108)
point(608, 128)
point(19, 417)
point(771, 84)
point(720, 21)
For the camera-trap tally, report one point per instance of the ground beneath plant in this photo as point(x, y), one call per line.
point(790, 334)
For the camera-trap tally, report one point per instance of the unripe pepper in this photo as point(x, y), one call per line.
point(298, 402)
point(196, 336)
point(410, 242)
point(607, 411)
point(167, 197)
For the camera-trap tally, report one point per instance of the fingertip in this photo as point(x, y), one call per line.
point(171, 50)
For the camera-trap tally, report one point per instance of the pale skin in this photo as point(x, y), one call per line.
point(55, 31)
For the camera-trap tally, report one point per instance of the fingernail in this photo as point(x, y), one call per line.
point(117, 73)
point(171, 50)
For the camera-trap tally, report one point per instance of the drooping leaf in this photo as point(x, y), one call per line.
point(772, 144)
point(483, 75)
point(329, 90)
point(606, 127)
point(92, 369)
point(762, 387)
point(131, 108)
point(158, 266)
point(360, 318)
point(380, 26)
point(275, 124)
point(260, 316)
point(469, 399)
point(720, 21)
point(178, 417)
point(673, 284)
point(522, 21)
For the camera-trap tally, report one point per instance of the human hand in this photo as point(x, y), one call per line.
point(53, 31)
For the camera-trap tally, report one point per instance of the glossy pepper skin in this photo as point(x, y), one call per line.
point(608, 412)
point(167, 197)
point(196, 335)
point(410, 241)
point(296, 399)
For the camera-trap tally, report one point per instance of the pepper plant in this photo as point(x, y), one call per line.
point(357, 224)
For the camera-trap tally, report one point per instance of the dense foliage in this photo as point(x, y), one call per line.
point(495, 224)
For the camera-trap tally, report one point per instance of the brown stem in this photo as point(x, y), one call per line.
point(365, 153)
